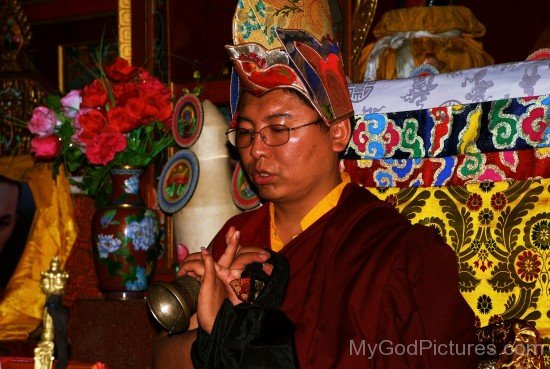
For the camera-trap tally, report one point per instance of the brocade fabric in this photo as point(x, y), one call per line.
point(53, 233)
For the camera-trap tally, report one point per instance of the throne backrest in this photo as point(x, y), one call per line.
point(468, 153)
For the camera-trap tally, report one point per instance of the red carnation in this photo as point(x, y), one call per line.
point(149, 107)
point(124, 91)
point(93, 95)
point(121, 121)
point(91, 123)
point(120, 70)
point(104, 147)
point(150, 84)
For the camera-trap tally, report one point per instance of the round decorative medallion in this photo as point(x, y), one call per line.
point(243, 194)
point(424, 70)
point(187, 120)
point(178, 181)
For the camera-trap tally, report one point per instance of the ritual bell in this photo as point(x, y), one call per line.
point(173, 303)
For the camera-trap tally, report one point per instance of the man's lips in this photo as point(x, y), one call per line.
point(261, 177)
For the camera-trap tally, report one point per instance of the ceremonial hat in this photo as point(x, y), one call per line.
point(289, 44)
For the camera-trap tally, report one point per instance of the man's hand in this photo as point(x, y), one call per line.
point(234, 261)
point(215, 276)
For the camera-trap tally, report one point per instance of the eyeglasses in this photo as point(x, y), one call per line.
point(274, 135)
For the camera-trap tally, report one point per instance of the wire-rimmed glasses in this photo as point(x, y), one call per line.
point(273, 135)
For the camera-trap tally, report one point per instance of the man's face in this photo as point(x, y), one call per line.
point(9, 195)
point(298, 171)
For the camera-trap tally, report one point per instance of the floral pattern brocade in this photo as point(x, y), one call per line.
point(500, 233)
point(252, 16)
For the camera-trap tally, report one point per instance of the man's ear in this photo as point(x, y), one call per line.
point(340, 133)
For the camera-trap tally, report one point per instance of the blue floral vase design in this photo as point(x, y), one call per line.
point(125, 238)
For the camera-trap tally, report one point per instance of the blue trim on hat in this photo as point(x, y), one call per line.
point(234, 91)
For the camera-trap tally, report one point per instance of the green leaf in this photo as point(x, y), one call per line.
point(134, 218)
point(53, 101)
point(501, 279)
point(123, 251)
point(460, 221)
point(112, 266)
point(510, 220)
point(527, 299)
point(130, 259)
point(415, 206)
point(467, 278)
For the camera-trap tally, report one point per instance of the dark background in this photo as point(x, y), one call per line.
point(193, 33)
point(16, 243)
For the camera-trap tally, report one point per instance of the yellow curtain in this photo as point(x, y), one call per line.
point(53, 232)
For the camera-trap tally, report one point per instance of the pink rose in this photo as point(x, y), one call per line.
point(71, 103)
point(43, 121)
point(45, 147)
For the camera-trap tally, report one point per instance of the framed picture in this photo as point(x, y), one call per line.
point(77, 63)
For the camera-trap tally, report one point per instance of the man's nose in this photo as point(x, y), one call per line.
point(258, 146)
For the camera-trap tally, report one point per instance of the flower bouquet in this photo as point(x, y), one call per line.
point(111, 129)
point(119, 119)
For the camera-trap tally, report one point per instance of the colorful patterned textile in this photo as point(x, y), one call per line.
point(313, 68)
point(451, 170)
point(277, 47)
point(509, 124)
point(495, 82)
point(468, 153)
point(501, 235)
point(256, 20)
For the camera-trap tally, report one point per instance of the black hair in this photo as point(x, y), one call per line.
point(13, 183)
point(16, 243)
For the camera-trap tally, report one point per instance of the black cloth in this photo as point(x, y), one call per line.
point(251, 336)
point(60, 317)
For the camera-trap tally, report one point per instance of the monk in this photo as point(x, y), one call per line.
point(10, 193)
point(366, 288)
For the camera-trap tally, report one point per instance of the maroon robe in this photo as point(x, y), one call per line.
point(363, 273)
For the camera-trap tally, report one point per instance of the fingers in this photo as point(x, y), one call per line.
point(229, 234)
point(226, 276)
point(249, 257)
point(242, 250)
point(195, 268)
point(209, 268)
point(267, 268)
point(232, 238)
point(192, 265)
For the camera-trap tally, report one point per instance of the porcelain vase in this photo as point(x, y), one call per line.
point(125, 238)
